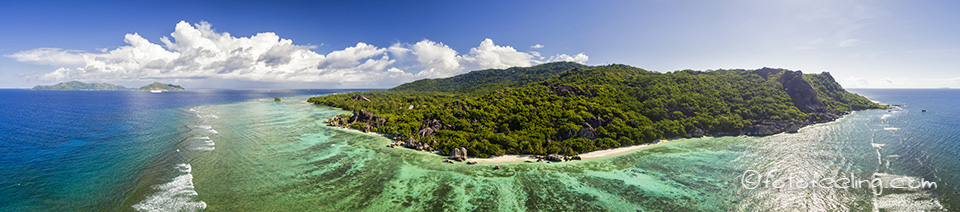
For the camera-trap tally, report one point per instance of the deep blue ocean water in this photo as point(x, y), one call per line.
point(85, 150)
point(923, 144)
point(121, 151)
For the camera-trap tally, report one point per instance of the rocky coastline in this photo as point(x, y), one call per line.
point(429, 127)
point(801, 92)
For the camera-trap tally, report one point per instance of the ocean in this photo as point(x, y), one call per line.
point(238, 150)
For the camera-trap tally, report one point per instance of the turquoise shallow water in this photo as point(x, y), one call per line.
point(260, 155)
point(281, 157)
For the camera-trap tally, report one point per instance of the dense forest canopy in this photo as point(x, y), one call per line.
point(569, 108)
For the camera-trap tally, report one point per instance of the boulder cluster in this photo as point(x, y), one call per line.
point(414, 144)
point(429, 127)
point(556, 158)
point(458, 154)
point(371, 121)
point(770, 127)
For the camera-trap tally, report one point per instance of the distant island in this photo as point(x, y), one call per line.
point(568, 108)
point(161, 87)
point(77, 85)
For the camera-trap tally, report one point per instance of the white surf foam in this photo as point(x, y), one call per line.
point(885, 116)
point(176, 195)
point(203, 144)
point(890, 128)
point(208, 128)
point(205, 148)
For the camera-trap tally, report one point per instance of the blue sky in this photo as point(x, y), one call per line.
point(349, 44)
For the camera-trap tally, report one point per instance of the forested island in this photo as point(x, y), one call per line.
point(569, 108)
point(77, 85)
point(160, 86)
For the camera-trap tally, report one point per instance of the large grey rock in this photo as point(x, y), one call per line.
point(554, 158)
point(793, 128)
point(799, 89)
point(698, 133)
point(359, 97)
point(587, 132)
point(458, 154)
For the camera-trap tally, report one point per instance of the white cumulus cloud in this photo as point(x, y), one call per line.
point(54, 56)
point(489, 55)
point(580, 58)
point(197, 52)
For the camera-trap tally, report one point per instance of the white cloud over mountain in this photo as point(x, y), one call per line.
point(580, 58)
point(196, 51)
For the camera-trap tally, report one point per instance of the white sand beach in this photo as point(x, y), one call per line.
point(588, 155)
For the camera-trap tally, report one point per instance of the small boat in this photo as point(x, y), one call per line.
point(156, 91)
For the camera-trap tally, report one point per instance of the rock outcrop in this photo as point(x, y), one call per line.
point(414, 144)
point(555, 158)
point(587, 131)
point(429, 127)
point(799, 89)
point(458, 154)
point(793, 128)
point(371, 121)
point(770, 127)
point(359, 97)
point(698, 133)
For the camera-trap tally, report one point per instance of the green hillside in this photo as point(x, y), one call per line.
point(568, 108)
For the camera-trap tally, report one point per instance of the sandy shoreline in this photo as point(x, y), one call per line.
point(610, 152)
point(588, 155)
point(518, 158)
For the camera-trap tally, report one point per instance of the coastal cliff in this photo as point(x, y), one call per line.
point(569, 108)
